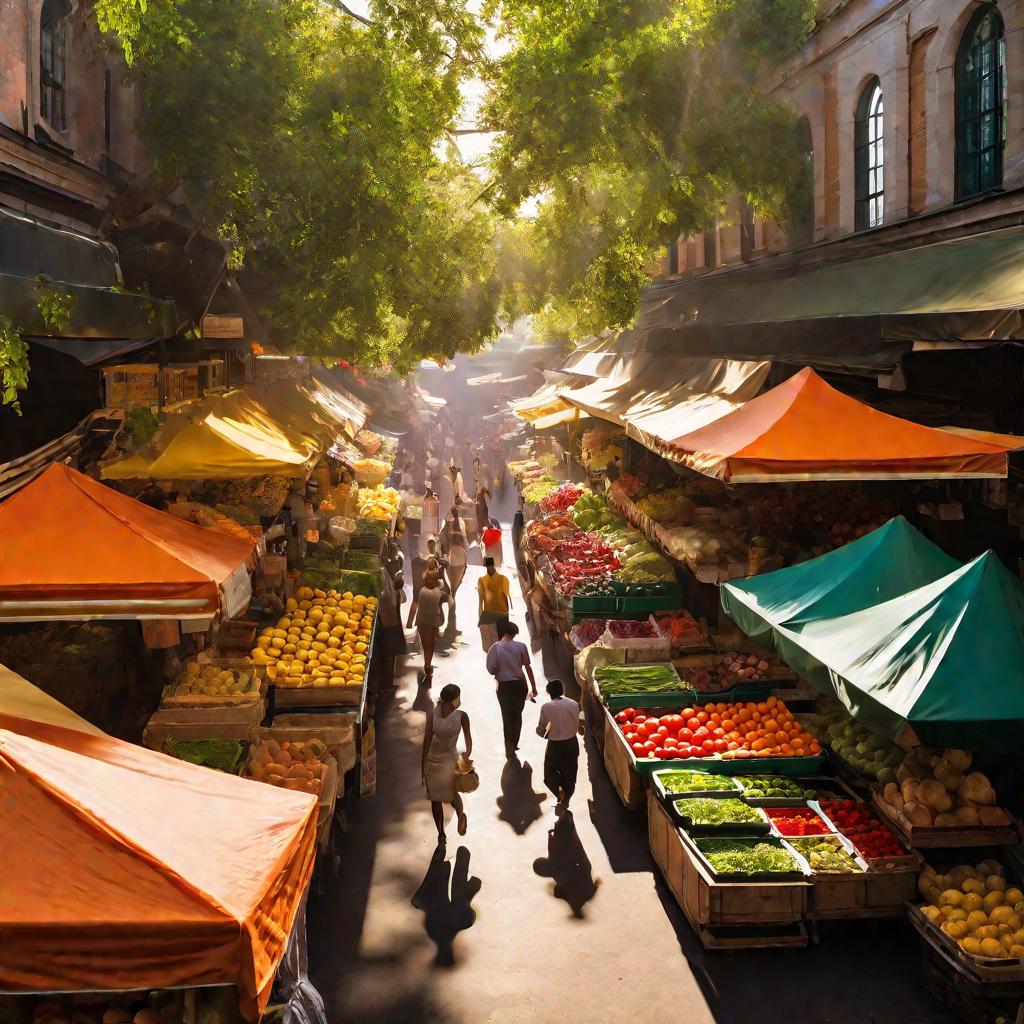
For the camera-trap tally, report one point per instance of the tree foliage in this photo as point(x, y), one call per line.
point(632, 122)
point(313, 140)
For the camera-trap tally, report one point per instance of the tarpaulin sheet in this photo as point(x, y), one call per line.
point(1011, 442)
point(669, 397)
point(804, 429)
point(20, 699)
point(946, 659)
point(881, 565)
point(126, 869)
point(72, 548)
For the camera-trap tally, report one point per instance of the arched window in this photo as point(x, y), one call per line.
point(53, 32)
point(869, 158)
point(801, 205)
point(980, 105)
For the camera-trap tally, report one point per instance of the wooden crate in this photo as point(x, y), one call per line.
point(618, 760)
point(231, 723)
point(132, 385)
point(920, 838)
point(317, 696)
point(181, 383)
point(725, 915)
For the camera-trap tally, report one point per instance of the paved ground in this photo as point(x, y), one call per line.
point(523, 922)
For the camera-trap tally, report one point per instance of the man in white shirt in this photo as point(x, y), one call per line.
point(559, 724)
point(507, 661)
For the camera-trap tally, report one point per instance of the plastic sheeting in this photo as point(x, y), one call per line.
point(72, 548)
point(945, 659)
point(879, 566)
point(125, 869)
point(804, 429)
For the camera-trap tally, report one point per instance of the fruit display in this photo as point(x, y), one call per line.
point(669, 507)
point(728, 731)
point(938, 790)
point(212, 681)
point(682, 630)
point(371, 471)
point(827, 856)
point(590, 509)
point(536, 490)
point(631, 486)
point(201, 515)
point(798, 821)
point(615, 680)
point(597, 459)
point(322, 640)
point(695, 782)
point(772, 787)
point(222, 755)
point(601, 584)
point(747, 857)
point(864, 751)
point(719, 812)
point(731, 669)
point(289, 765)
point(563, 499)
point(857, 822)
point(378, 504)
point(587, 632)
point(977, 908)
point(262, 496)
point(332, 568)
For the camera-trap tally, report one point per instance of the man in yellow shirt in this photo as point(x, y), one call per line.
point(495, 603)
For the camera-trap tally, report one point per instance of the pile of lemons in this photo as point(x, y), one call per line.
point(977, 908)
point(322, 640)
point(378, 503)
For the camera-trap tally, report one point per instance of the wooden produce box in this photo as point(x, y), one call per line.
point(594, 711)
point(620, 763)
point(132, 385)
point(181, 383)
point(318, 696)
point(726, 915)
point(230, 723)
point(923, 838)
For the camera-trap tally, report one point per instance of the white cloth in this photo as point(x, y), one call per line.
point(561, 717)
point(442, 756)
point(507, 660)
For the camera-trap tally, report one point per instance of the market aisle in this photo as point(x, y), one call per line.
point(520, 925)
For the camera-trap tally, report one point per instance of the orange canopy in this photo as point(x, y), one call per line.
point(806, 430)
point(126, 869)
point(72, 548)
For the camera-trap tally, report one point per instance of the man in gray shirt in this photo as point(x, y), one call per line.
point(509, 662)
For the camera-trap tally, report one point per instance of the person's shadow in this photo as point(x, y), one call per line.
point(447, 910)
point(518, 804)
point(568, 866)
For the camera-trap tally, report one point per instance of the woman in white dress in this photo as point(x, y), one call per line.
point(440, 757)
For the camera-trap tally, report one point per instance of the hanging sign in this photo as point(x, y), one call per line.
point(214, 326)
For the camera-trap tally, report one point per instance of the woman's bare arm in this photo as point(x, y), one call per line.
point(467, 734)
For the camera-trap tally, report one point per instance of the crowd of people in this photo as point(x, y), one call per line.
point(452, 527)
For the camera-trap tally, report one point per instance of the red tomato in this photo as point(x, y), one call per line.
point(686, 734)
point(702, 717)
point(701, 734)
point(708, 747)
point(630, 713)
point(639, 718)
point(718, 733)
point(719, 745)
point(693, 724)
point(639, 750)
point(686, 713)
point(660, 753)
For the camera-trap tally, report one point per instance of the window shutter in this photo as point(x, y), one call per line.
point(919, 124)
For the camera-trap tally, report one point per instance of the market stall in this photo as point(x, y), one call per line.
point(127, 871)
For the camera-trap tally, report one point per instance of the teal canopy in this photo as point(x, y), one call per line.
point(945, 658)
point(881, 565)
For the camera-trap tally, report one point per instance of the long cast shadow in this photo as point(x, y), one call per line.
point(568, 866)
point(447, 909)
point(518, 804)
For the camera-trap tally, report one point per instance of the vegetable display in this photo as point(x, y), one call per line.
point(826, 856)
point(763, 787)
point(681, 630)
point(220, 754)
point(864, 751)
point(856, 821)
point(695, 782)
point(378, 503)
point(587, 632)
point(627, 629)
point(746, 857)
point(938, 790)
point(323, 640)
point(749, 730)
point(732, 669)
point(977, 908)
point(623, 679)
point(719, 812)
point(798, 821)
point(563, 499)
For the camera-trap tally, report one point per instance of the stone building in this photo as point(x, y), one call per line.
point(910, 114)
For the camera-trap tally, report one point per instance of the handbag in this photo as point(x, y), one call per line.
point(466, 778)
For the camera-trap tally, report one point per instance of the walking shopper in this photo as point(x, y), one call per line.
point(508, 660)
point(430, 522)
point(419, 570)
point(440, 758)
point(453, 547)
point(429, 619)
point(560, 724)
point(483, 512)
point(495, 603)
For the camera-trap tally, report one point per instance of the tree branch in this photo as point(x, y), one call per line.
point(352, 14)
point(470, 131)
